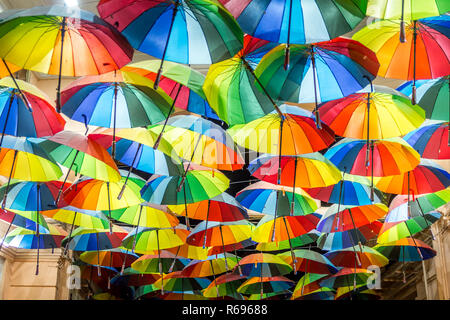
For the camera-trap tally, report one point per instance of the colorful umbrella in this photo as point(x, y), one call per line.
point(307, 284)
point(422, 204)
point(425, 178)
point(422, 56)
point(350, 217)
point(319, 294)
point(145, 215)
point(305, 171)
point(131, 277)
point(298, 21)
point(177, 282)
point(265, 284)
point(300, 241)
point(431, 141)
point(89, 219)
point(26, 220)
point(116, 257)
point(225, 285)
point(350, 257)
point(165, 262)
point(44, 39)
point(432, 96)
point(230, 247)
point(347, 277)
point(318, 72)
point(83, 239)
point(213, 265)
point(182, 83)
point(270, 199)
point(28, 112)
point(406, 249)
point(282, 134)
point(348, 238)
point(147, 240)
point(378, 114)
point(263, 265)
point(183, 31)
point(190, 252)
point(230, 85)
point(361, 292)
point(309, 261)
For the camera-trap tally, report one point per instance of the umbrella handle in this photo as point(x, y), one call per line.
point(402, 32)
point(287, 54)
point(414, 94)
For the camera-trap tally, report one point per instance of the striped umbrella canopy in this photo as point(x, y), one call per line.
point(263, 265)
point(177, 282)
point(44, 39)
point(309, 261)
point(25, 220)
point(432, 96)
point(431, 140)
point(311, 170)
point(318, 72)
point(348, 238)
point(298, 21)
point(381, 158)
point(351, 190)
point(89, 219)
point(348, 277)
point(300, 241)
point(185, 31)
point(405, 250)
point(230, 84)
point(231, 247)
point(272, 199)
point(28, 112)
point(265, 284)
point(145, 215)
point(81, 154)
point(224, 285)
point(182, 83)
point(116, 257)
point(419, 53)
point(361, 292)
point(201, 141)
point(283, 133)
point(408, 10)
point(378, 114)
point(344, 217)
point(29, 239)
point(131, 277)
point(425, 178)
point(190, 252)
point(150, 263)
point(83, 239)
point(307, 284)
point(354, 256)
point(148, 240)
point(222, 208)
point(212, 266)
point(319, 294)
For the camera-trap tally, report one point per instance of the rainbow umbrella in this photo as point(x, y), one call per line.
point(361, 292)
point(83, 239)
point(212, 266)
point(182, 83)
point(350, 217)
point(269, 199)
point(183, 31)
point(89, 219)
point(201, 141)
point(149, 264)
point(28, 112)
point(99, 279)
point(318, 72)
point(309, 261)
point(305, 171)
point(190, 252)
point(279, 295)
point(224, 285)
point(131, 277)
point(297, 21)
point(44, 39)
point(263, 265)
point(432, 96)
point(348, 238)
point(425, 178)
point(347, 277)
point(116, 257)
point(117, 102)
point(319, 294)
point(406, 249)
point(378, 114)
point(406, 10)
point(147, 240)
point(350, 257)
point(351, 190)
point(230, 85)
point(299, 241)
point(308, 284)
point(26, 220)
point(283, 134)
point(421, 56)
point(265, 284)
point(145, 215)
point(230, 247)
point(177, 282)
point(430, 140)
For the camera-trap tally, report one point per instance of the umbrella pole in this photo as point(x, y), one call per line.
point(65, 178)
point(414, 89)
point(159, 263)
point(275, 106)
point(214, 276)
point(341, 189)
point(98, 255)
point(237, 259)
point(206, 225)
point(9, 180)
point(287, 49)
point(129, 172)
point(402, 24)
point(188, 225)
point(109, 271)
point(17, 86)
point(174, 260)
point(38, 187)
point(137, 229)
point(4, 237)
point(223, 247)
point(174, 14)
point(316, 110)
point(158, 140)
point(294, 259)
point(109, 207)
point(58, 89)
point(278, 175)
point(261, 281)
point(354, 226)
point(113, 146)
point(124, 262)
point(293, 189)
point(11, 99)
point(66, 249)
